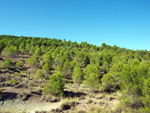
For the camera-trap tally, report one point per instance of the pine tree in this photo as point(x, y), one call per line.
point(55, 85)
point(6, 64)
point(34, 61)
point(92, 81)
point(67, 68)
point(108, 82)
point(46, 68)
point(10, 51)
point(77, 74)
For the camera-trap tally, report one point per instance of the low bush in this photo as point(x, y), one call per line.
point(20, 64)
point(12, 81)
point(6, 64)
point(39, 74)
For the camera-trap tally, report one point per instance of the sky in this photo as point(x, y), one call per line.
point(125, 23)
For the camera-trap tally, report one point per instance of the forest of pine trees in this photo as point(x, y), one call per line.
point(100, 68)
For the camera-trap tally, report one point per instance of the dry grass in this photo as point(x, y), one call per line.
point(89, 101)
point(51, 98)
point(68, 103)
point(100, 96)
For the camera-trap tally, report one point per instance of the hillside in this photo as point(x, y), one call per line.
point(46, 75)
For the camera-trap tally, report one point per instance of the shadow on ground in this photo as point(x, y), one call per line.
point(73, 94)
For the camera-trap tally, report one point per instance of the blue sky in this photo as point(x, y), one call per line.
point(125, 23)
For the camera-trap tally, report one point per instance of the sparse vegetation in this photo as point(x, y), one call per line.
point(12, 81)
point(68, 103)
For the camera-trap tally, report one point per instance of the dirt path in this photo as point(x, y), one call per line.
point(13, 104)
point(19, 106)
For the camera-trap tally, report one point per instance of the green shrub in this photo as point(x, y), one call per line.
point(39, 74)
point(37, 52)
point(20, 64)
point(105, 66)
point(91, 69)
point(34, 61)
point(108, 82)
point(146, 96)
point(23, 73)
point(10, 51)
point(77, 74)
point(93, 81)
point(55, 85)
point(67, 68)
point(6, 64)
point(47, 59)
point(46, 68)
point(12, 81)
point(135, 85)
point(59, 60)
point(82, 58)
point(116, 69)
point(58, 69)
